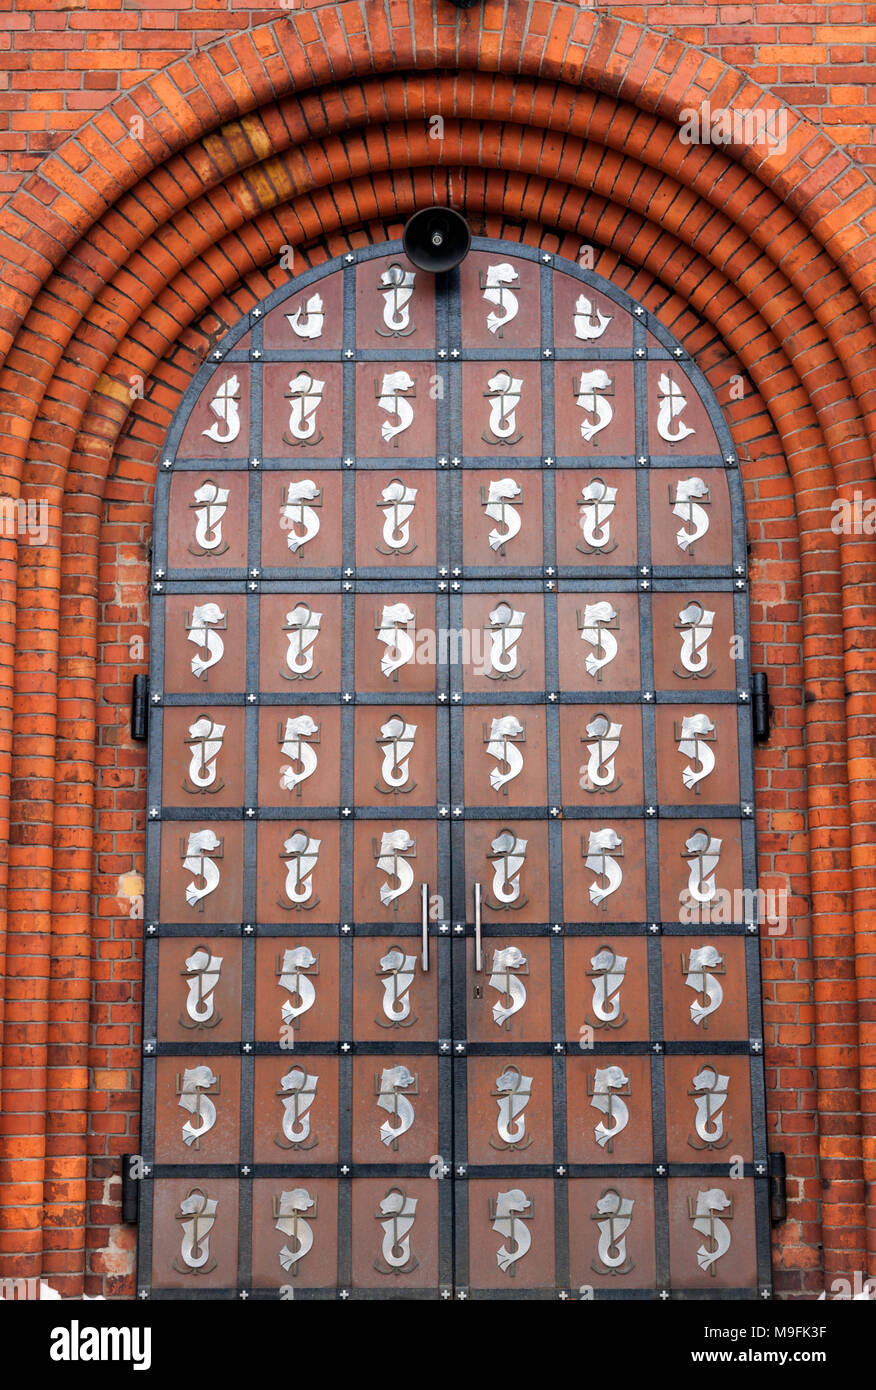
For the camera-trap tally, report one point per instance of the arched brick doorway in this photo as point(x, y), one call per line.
point(736, 253)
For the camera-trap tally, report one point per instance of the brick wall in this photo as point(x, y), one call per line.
point(59, 62)
point(763, 269)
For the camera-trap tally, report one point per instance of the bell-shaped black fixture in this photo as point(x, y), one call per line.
point(436, 239)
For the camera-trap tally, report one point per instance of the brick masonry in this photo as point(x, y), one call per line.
point(156, 161)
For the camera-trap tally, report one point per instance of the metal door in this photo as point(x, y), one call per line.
point(452, 980)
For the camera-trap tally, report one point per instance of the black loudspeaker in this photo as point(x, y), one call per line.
point(436, 239)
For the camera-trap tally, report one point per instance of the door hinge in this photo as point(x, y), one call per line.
point(760, 706)
point(778, 1189)
point(130, 1190)
point(140, 707)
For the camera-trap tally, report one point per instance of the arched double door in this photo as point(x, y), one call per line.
point(452, 983)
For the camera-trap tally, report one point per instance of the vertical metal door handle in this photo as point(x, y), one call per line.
point(479, 953)
point(424, 899)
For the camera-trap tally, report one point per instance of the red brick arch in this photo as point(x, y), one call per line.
point(301, 133)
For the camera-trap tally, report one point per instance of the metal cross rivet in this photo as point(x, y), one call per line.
point(345, 1047)
point(552, 696)
point(252, 586)
point(243, 1294)
point(255, 573)
point(443, 810)
point(158, 587)
point(442, 352)
point(460, 1047)
point(250, 811)
point(146, 1170)
point(743, 695)
point(550, 584)
point(642, 460)
point(348, 463)
point(459, 928)
point(456, 461)
point(442, 586)
point(445, 1293)
point(746, 810)
point(345, 1293)
point(245, 1170)
point(647, 695)
point(658, 1047)
point(455, 587)
point(456, 571)
point(547, 352)
point(740, 583)
point(759, 1168)
point(345, 928)
point(346, 811)
point(445, 1047)
point(556, 927)
point(456, 697)
point(765, 1293)
point(348, 354)
point(550, 570)
point(344, 1169)
point(664, 1294)
point(660, 1169)
point(159, 574)
point(457, 810)
point(256, 355)
point(755, 1045)
point(548, 463)
point(651, 811)
point(143, 1294)
point(546, 258)
point(561, 1172)
point(558, 1047)
point(638, 311)
point(347, 697)
point(454, 352)
point(655, 926)
point(347, 586)
point(461, 1170)
point(349, 572)
point(555, 810)
point(562, 1294)
point(463, 1293)
point(247, 1047)
point(217, 356)
point(644, 583)
point(442, 463)
point(640, 352)
point(644, 569)
point(752, 926)
point(349, 258)
point(256, 313)
point(254, 463)
point(151, 928)
point(148, 1047)
point(740, 569)
point(443, 571)
point(252, 697)
point(167, 463)
point(153, 812)
point(442, 698)
point(730, 458)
